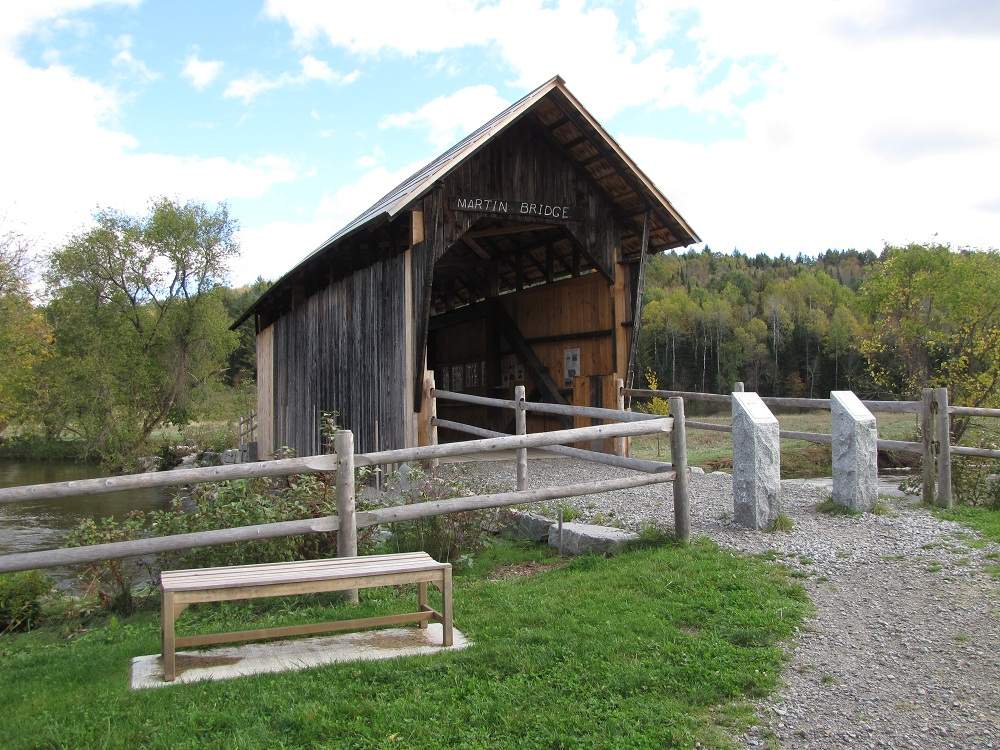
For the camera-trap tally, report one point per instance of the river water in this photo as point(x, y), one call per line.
point(43, 524)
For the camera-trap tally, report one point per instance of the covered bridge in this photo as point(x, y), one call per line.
point(515, 257)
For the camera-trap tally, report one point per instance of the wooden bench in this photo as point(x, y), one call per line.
point(182, 588)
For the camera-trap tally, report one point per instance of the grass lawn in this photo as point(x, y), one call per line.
point(984, 520)
point(657, 647)
point(799, 459)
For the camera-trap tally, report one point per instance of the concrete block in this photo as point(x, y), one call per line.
point(756, 462)
point(583, 538)
point(224, 663)
point(524, 525)
point(855, 452)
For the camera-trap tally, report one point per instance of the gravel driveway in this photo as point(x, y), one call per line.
point(904, 647)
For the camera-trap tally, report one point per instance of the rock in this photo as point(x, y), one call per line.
point(189, 460)
point(855, 452)
point(529, 526)
point(231, 456)
point(756, 462)
point(696, 470)
point(210, 458)
point(582, 538)
point(145, 464)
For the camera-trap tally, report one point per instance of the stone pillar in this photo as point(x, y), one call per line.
point(756, 462)
point(855, 452)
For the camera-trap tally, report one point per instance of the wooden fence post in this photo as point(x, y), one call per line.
point(347, 533)
point(621, 444)
point(678, 457)
point(943, 435)
point(927, 428)
point(432, 412)
point(521, 428)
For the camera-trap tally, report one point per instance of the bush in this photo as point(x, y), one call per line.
point(208, 436)
point(244, 503)
point(111, 580)
point(970, 480)
point(453, 537)
point(209, 507)
point(20, 599)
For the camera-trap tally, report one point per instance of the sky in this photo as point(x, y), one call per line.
point(774, 126)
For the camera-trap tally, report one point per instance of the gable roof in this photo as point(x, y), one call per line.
point(597, 144)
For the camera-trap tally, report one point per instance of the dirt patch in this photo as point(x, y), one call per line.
point(519, 570)
point(185, 661)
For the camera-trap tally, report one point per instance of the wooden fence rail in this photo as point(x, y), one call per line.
point(346, 522)
point(935, 448)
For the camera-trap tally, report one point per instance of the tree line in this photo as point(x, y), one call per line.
point(126, 327)
point(883, 325)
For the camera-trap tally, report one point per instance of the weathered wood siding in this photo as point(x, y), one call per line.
point(522, 165)
point(342, 349)
point(265, 392)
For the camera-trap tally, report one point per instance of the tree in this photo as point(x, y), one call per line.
point(935, 317)
point(24, 336)
point(139, 323)
point(843, 330)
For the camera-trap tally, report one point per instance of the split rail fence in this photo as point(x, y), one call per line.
point(933, 409)
point(343, 462)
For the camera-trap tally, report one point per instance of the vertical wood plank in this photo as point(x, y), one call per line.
point(678, 457)
point(520, 427)
point(943, 435)
point(447, 611)
point(347, 533)
point(928, 465)
point(168, 636)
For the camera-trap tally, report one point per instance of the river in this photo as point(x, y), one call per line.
point(43, 524)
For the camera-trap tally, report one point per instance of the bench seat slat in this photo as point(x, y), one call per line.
point(402, 556)
point(282, 573)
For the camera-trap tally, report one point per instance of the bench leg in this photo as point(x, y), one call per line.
point(167, 616)
point(422, 601)
point(446, 608)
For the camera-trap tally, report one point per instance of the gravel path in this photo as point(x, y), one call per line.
point(904, 647)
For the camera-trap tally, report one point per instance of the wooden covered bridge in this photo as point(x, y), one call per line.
point(514, 258)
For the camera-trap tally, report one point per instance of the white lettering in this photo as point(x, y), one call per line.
point(565, 214)
point(462, 203)
point(503, 207)
point(479, 203)
point(524, 208)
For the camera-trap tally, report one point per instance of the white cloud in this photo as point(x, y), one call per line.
point(271, 249)
point(874, 127)
point(126, 61)
point(64, 152)
point(585, 44)
point(370, 160)
point(200, 72)
point(867, 121)
point(448, 118)
point(253, 85)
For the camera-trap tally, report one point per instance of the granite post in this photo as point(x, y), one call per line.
point(855, 452)
point(756, 462)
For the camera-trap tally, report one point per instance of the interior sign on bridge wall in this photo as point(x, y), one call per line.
point(514, 208)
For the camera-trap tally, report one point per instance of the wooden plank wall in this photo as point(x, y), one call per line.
point(520, 165)
point(342, 349)
point(265, 392)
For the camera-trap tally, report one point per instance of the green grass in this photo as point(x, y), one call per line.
point(984, 520)
point(781, 523)
point(835, 509)
point(659, 647)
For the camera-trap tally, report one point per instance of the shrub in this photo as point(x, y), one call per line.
point(20, 599)
point(211, 436)
point(209, 507)
point(451, 537)
point(970, 479)
point(111, 580)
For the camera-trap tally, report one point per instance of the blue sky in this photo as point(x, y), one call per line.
point(773, 127)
